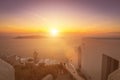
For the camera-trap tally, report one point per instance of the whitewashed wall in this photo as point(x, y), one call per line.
point(6, 71)
point(92, 50)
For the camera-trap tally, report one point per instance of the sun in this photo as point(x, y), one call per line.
point(54, 32)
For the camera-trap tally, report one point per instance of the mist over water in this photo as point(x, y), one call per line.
point(52, 48)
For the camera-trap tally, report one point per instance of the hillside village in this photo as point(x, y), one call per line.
point(33, 68)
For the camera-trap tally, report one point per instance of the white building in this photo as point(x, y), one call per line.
point(6, 71)
point(100, 57)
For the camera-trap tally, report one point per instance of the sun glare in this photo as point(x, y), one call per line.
point(54, 32)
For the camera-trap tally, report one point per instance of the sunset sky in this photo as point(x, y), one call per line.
point(64, 15)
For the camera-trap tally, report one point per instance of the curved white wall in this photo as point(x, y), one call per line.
point(6, 71)
point(115, 75)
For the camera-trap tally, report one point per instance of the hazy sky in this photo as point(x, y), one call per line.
point(65, 15)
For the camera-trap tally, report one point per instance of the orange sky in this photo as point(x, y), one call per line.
point(64, 16)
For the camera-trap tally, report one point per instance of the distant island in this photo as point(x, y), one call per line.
point(30, 37)
point(101, 38)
